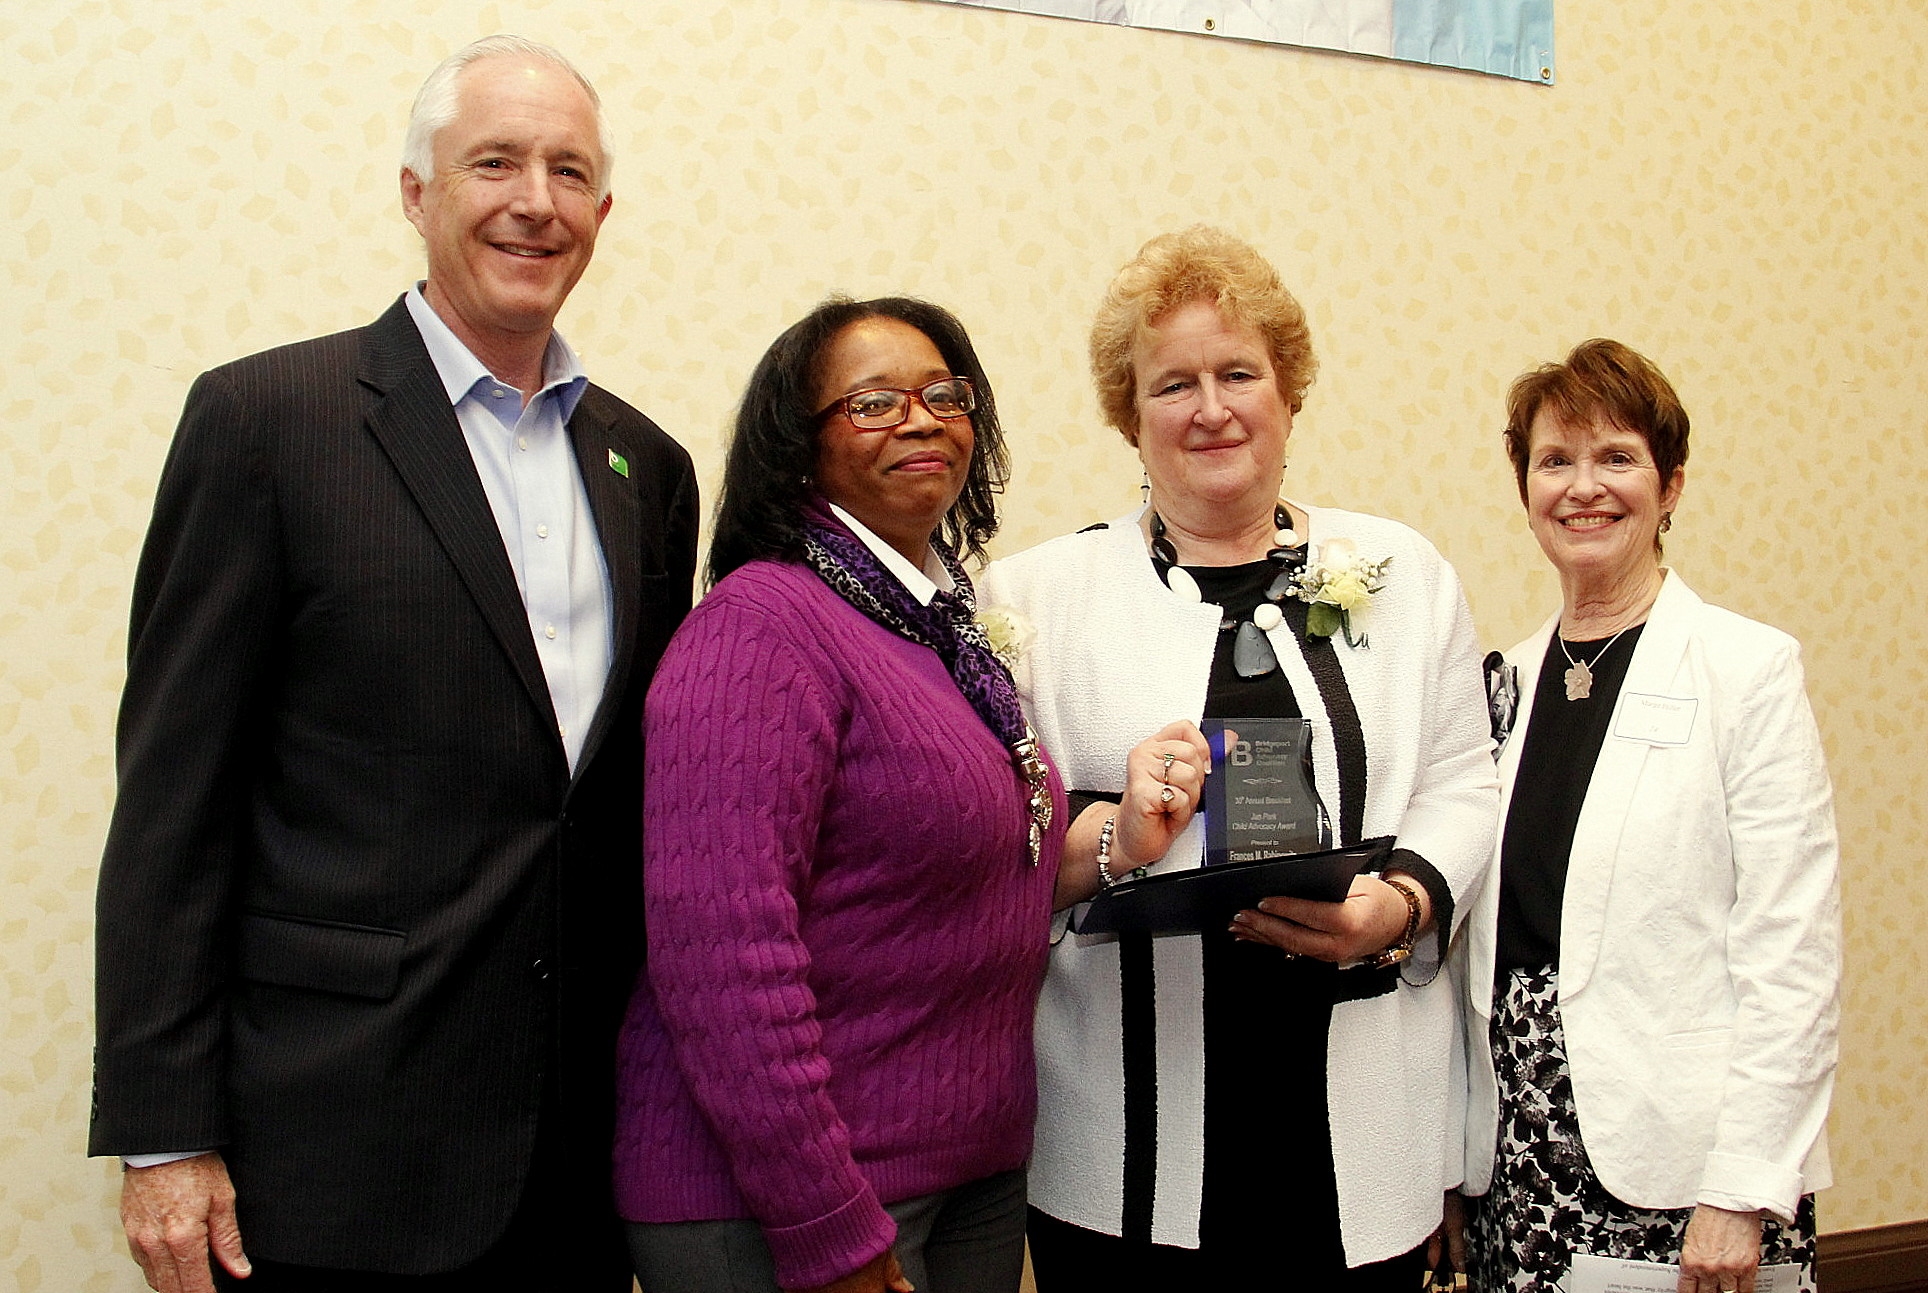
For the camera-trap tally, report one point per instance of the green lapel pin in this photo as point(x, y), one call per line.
point(619, 464)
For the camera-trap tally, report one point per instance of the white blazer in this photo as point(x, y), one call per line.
point(1700, 934)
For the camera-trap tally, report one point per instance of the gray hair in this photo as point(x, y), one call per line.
point(437, 102)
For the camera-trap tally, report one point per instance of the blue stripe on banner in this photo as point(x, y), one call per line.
point(1505, 37)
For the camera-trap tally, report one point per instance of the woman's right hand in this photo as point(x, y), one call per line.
point(1175, 758)
point(881, 1274)
point(1147, 820)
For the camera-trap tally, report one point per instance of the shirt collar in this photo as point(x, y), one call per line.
point(923, 584)
point(461, 371)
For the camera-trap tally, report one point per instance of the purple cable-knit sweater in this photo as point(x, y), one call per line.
point(845, 936)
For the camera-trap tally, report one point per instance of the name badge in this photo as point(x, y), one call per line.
point(1656, 720)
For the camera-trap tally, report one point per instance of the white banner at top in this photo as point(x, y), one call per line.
point(1504, 37)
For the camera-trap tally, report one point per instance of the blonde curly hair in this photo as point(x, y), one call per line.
point(1174, 270)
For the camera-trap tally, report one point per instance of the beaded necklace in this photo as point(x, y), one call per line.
point(1252, 654)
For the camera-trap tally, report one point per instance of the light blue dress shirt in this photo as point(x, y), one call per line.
point(528, 468)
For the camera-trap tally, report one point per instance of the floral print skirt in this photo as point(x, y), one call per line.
point(1545, 1203)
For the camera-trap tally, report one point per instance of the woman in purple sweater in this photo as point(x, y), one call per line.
point(826, 1073)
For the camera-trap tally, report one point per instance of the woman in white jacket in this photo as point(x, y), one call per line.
point(1653, 982)
point(1276, 1104)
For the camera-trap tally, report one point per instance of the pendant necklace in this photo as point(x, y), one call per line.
point(1252, 654)
point(1579, 679)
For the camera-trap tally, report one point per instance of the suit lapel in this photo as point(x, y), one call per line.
point(1610, 794)
point(416, 427)
point(614, 503)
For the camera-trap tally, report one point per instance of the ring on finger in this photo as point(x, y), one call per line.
point(1166, 794)
point(1170, 759)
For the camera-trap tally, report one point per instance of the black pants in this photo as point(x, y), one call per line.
point(564, 1237)
point(1070, 1259)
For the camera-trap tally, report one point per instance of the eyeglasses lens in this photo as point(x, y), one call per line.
point(949, 397)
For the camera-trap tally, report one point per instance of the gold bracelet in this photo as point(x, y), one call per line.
point(1402, 949)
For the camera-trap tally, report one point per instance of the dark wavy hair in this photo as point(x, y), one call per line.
point(773, 450)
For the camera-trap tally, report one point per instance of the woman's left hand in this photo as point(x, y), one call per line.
point(1370, 920)
point(881, 1274)
point(1722, 1251)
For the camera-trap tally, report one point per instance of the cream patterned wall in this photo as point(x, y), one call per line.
point(1739, 190)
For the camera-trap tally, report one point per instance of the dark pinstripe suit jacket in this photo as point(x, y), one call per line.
point(353, 910)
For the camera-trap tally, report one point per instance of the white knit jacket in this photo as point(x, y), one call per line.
point(1116, 656)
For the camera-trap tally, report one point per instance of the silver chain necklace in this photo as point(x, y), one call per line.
point(1579, 679)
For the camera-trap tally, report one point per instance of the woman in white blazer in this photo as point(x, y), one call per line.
point(1275, 1104)
point(1652, 983)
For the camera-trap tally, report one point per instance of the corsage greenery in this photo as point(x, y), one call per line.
point(1338, 587)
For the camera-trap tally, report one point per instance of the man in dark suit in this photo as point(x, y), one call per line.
point(369, 908)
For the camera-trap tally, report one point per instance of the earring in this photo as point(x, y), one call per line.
point(1144, 486)
point(1666, 522)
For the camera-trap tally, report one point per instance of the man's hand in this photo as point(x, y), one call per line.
point(177, 1213)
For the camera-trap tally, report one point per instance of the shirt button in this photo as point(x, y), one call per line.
point(522, 442)
point(540, 970)
point(542, 531)
point(549, 631)
point(499, 393)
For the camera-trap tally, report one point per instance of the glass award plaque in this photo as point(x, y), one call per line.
point(1259, 800)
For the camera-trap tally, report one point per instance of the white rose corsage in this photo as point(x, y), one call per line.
point(1009, 634)
point(1337, 587)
